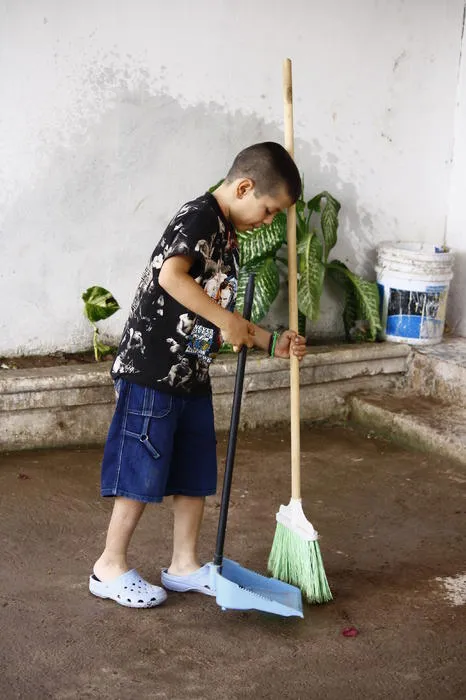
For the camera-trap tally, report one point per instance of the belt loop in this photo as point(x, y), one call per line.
point(148, 405)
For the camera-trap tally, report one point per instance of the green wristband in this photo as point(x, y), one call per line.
point(276, 336)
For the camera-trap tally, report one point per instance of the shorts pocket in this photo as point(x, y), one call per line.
point(162, 404)
point(144, 401)
point(148, 418)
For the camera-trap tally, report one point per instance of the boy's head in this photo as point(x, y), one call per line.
point(262, 181)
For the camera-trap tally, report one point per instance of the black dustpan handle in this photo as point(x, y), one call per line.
point(231, 449)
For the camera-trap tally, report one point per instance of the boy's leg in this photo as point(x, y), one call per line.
point(113, 560)
point(135, 466)
point(188, 512)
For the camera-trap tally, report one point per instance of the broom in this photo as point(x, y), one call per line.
point(295, 556)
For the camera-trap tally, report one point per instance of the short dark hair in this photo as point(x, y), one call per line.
point(270, 167)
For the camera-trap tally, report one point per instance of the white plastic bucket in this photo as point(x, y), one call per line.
point(413, 282)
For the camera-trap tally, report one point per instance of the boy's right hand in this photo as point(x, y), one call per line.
point(238, 331)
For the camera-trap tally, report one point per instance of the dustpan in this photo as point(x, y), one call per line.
point(238, 588)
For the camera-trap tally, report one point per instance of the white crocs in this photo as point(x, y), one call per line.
point(129, 589)
point(199, 581)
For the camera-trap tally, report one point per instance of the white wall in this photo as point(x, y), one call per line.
point(456, 223)
point(114, 113)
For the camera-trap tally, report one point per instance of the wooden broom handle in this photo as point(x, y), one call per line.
point(292, 291)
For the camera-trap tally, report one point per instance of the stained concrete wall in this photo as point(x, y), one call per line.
point(114, 113)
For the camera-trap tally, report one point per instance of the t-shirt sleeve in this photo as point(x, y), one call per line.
point(191, 235)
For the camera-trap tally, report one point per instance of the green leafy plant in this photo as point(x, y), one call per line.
point(99, 304)
point(316, 232)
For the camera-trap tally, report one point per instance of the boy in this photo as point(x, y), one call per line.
point(162, 440)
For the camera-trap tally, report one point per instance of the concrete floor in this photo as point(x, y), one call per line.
point(392, 523)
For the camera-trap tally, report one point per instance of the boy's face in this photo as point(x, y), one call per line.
point(249, 211)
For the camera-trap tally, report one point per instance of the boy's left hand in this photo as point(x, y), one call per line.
point(290, 340)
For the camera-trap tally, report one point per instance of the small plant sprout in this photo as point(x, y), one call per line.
point(99, 304)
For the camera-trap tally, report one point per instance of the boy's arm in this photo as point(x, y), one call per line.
point(261, 338)
point(175, 279)
point(287, 341)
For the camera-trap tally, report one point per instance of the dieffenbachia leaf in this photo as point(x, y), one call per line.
point(262, 242)
point(328, 218)
point(214, 187)
point(311, 275)
point(361, 301)
point(267, 284)
point(329, 222)
point(301, 220)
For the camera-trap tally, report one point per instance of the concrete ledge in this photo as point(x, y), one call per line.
point(69, 405)
point(440, 371)
point(424, 423)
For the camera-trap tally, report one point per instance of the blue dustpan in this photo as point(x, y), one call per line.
point(238, 588)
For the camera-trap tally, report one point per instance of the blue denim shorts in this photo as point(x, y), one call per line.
point(159, 445)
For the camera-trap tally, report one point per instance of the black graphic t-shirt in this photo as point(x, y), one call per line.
point(164, 345)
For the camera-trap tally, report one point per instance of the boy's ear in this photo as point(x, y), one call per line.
point(244, 187)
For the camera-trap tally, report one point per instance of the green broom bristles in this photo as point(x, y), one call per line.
point(299, 562)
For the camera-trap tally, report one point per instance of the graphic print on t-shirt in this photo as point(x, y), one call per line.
point(222, 288)
point(200, 341)
point(164, 345)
